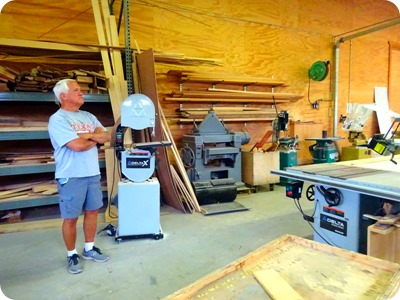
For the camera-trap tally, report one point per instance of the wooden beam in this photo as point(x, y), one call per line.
point(46, 45)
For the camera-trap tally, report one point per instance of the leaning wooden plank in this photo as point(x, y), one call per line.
point(179, 162)
point(276, 286)
point(148, 84)
point(108, 71)
point(112, 171)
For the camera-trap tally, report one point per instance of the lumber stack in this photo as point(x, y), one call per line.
point(226, 113)
point(181, 59)
point(6, 75)
point(32, 189)
point(27, 158)
point(223, 88)
point(43, 80)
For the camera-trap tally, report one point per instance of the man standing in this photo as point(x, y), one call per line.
point(75, 135)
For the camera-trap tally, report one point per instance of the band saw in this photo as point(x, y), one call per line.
point(138, 199)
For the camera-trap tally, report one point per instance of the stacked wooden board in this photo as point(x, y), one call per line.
point(43, 80)
point(228, 88)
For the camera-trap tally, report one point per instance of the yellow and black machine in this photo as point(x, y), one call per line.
point(354, 124)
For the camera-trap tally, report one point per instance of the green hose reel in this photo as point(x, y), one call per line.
point(319, 70)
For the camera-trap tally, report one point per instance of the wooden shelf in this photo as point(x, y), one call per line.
point(23, 133)
point(215, 78)
point(32, 201)
point(47, 97)
point(11, 169)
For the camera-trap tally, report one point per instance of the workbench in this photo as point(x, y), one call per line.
point(377, 177)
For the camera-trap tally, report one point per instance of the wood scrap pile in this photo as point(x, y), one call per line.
point(196, 87)
point(27, 158)
point(6, 75)
point(43, 80)
point(33, 189)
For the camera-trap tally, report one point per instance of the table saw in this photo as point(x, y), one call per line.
point(344, 192)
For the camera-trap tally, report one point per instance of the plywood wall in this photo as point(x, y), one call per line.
point(280, 39)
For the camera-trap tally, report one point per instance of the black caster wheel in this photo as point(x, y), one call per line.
point(158, 236)
point(310, 194)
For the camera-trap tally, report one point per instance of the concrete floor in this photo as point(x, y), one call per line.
point(33, 263)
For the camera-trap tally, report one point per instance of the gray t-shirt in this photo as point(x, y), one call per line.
point(64, 127)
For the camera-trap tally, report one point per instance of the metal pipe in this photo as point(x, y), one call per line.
point(336, 91)
point(346, 37)
point(366, 30)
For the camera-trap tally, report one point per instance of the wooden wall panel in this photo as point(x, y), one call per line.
point(271, 38)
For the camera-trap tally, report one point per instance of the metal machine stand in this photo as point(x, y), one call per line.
point(138, 192)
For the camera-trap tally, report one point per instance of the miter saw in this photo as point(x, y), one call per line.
point(383, 144)
point(389, 143)
point(138, 192)
point(354, 124)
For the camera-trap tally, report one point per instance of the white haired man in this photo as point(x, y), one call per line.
point(75, 135)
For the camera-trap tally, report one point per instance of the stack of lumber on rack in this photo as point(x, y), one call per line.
point(181, 59)
point(89, 81)
point(43, 80)
point(26, 158)
point(6, 75)
point(225, 113)
point(18, 191)
point(228, 88)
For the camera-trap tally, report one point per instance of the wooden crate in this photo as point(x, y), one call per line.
point(313, 270)
point(256, 167)
point(384, 244)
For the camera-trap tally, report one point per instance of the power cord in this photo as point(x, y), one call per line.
point(310, 219)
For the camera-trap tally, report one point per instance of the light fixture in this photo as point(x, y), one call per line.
point(396, 2)
point(2, 3)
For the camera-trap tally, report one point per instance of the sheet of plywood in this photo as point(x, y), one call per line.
point(148, 85)
point(382, 102)
point(312, 269)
